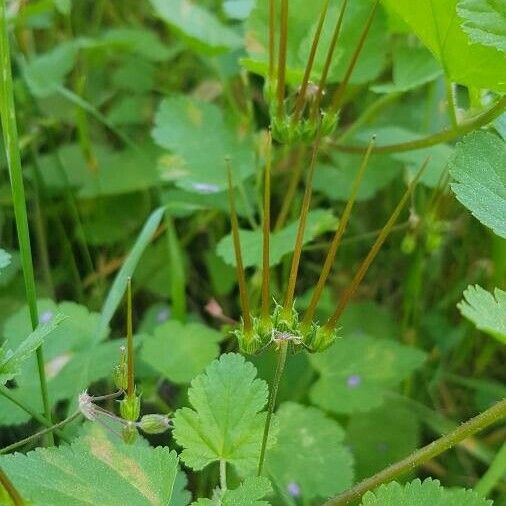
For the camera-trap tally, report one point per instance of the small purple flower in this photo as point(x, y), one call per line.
point(45, 316)
point(205, 187)
point(163, 315)
point(293, 489)
point(353, 380)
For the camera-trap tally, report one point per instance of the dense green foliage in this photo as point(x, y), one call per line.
point(171, 179)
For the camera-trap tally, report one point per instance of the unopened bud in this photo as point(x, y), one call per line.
point(130, 407)
point(154, 423)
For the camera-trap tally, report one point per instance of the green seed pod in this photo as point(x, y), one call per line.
point(282, 129)
point(120, 374)
point(433, 240)
point(408, 244)
point(318, 338)
point(129, 433)
point(130, 408)
point(257, 338)
point(286, 321)
point(154, 424)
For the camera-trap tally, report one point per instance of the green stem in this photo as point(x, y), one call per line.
point(476, 424)
point(10, 133)
point(43, 421)
point(452, 110)
point(493, 474)
point(10, 489)
point(280, 367)
point(130, 343)
point(223, 475)
point(39, 434)
point(431, 140)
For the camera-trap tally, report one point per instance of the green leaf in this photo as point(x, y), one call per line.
point(249, 493)
point(413, 67)
point(119, 172)
point(200, 140)
point(281, 242)
point(118, 287)
point(309, 455)
point(74, 358)
point(67, 476)
point(487, 311)
point(180, 496)
point(11, 361)
point(197, 26)
point(381, 436)
point(137, 41)
point(484, 21)
point(302, 21)
point(480, 173)
point(357, 370)
point(238, 9)
point(179, 352)
point(45, 73)
point(438, 27)
point(419, 493)
point(226, 423)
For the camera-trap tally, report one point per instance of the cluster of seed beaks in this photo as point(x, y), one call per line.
point(281, 328)
point(289, 128)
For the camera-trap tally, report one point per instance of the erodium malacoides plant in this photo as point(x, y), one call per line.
point(305, 118)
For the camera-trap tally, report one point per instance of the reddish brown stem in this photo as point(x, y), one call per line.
point(339, 94)
point(241, 278)
point(10, 489)
point(283, 40)
point(357, 279)
point(266, 233)
point(272, 17)
point(301, 97)
point(130, 343)
point(331, 255)
point(328, 60)
point(287, 307)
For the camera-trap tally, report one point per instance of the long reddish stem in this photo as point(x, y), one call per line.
point(339, 94)
point(299, 104)
point(357, 279)
point(283, 40)
point(266, 233)
point(328, 60)
point(287, 307)
point(336, 241)
point(130, 343)
point(241, 278)
point(272, 18)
